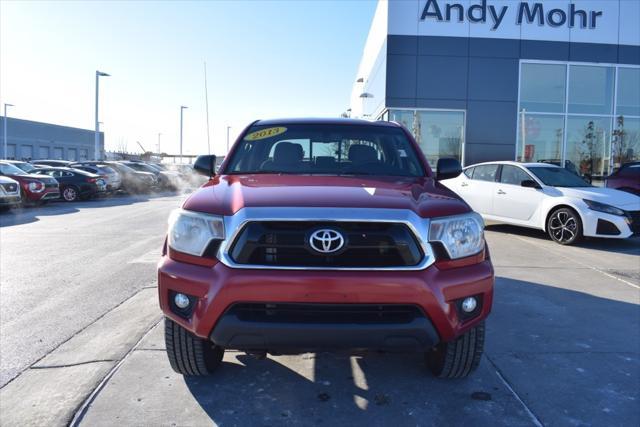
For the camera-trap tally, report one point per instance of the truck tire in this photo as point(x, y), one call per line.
point(458, 358)
point(189, 354)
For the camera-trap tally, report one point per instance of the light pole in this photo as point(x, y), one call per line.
point(182, 108)
point(4, 136)
point(228, 127)
point(159, 134)
point(96, 147)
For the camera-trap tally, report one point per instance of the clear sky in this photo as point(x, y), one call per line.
point(265, 59)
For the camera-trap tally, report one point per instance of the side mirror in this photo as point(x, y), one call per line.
point(205, 165)
point(448, 168)
point(529, 183)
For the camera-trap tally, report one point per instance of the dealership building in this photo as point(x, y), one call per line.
point(36, 140)
point(553, 81)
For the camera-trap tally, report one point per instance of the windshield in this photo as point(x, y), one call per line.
point(27, 167)
point(557, 177)
point(9, 169)
point(327, 150)
point(142, 167)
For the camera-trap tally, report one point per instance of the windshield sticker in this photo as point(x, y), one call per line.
point(265, 133)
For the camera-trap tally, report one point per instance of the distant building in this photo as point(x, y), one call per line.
point(36, 140)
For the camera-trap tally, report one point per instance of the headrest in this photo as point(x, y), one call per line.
point(287, 153)
point(361, 154)
point(325, 162)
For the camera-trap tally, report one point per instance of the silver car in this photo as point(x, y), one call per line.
point(111, 177)
point(9, 193)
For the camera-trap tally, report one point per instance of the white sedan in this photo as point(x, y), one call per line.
point(549, 198)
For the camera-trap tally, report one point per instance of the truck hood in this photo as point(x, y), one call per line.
point(609, 196)
point(227, 194)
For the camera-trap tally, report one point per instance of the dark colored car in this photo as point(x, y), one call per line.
point(35, 187)
point(320, 235)
point(166, 180)
point(110, 176)
point(54, 163)
point(76, 184)
point(626, 178)
point(132, 180)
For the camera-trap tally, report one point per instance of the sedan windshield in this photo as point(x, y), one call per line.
point(557, 177)
point(27, 167)
point(9, 169)
point(325, 149)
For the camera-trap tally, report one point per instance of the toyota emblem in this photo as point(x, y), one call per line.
point(326, 241)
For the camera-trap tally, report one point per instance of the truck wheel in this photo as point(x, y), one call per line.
point(458, 358)
point(189, 354)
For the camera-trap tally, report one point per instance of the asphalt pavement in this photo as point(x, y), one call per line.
point(64, 265)
point(563, 346)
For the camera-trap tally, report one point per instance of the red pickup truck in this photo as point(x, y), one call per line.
point(320, 234)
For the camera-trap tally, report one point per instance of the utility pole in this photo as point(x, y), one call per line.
point(206, 100)
point(182, 108)
point(6, 144)
point(97, 152)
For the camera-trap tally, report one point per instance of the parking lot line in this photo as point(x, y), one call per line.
point(611, 276)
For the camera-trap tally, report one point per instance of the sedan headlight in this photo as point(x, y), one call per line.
point(601, 207)
point(461, 235)
point(191, 232)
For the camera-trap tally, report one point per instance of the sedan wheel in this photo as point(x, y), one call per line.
point(564, 226)
point(70, 194)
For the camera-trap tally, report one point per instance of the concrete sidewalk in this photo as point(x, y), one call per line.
point(562, 348)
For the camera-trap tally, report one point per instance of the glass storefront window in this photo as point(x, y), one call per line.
point(628, 98)
point(591, 89)
point(626, 141)
point(440, 134)
point(589, 146)
point(543, 87)
point(540, 138)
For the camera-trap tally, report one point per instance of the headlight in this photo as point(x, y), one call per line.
point(190, 232)
point(461, 235)
point(35, 186)
point(601, 207)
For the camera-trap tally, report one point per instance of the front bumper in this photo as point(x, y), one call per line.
point(600, 224)
point(215, 289)
point(10, 200)
point(47, 194)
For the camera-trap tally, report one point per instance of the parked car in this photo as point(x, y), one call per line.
point(34, 187)
point(76, 184)
point(25, 166)
point(354, 247)
point(111, 177)
point(9, 193)
point(54, 163)
point(549, 198)
point(166, 181)
point(627, 178)
point(132, 180)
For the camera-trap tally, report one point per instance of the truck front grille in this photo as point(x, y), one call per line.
point(325, 313)
point(286, 244)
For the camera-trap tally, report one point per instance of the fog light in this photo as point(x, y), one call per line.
point(182, 301)
point(468, 304)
